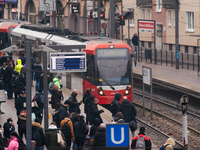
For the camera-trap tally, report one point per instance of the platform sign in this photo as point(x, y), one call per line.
point(146, 26)
point(68, 62)
point(117, 135)
point(146, 73)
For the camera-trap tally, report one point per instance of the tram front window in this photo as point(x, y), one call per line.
point(113, 67)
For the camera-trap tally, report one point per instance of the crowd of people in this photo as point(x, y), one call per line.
point(69, 128)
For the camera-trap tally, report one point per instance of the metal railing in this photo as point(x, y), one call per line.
point(167, 58)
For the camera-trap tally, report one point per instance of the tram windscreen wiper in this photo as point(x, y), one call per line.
point(108, 83)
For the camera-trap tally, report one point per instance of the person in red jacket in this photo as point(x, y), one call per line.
point(135, 142)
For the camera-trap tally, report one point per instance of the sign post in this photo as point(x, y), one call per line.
point(147, 79)
point(117, 135)
point(148, 26)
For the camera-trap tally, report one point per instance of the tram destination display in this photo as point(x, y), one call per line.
point(68, 62)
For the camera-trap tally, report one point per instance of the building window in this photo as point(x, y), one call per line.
point(131, 21)
point(142, 43)
point(194, 50)
point(169, 18)
point(170, 47)
point(148, 14)
point(186, 49)
point(143, 14)
point(190, 21)
point(149, 44)
point(158, 5)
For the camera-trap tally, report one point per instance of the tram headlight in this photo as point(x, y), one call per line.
point(127, 91)
point(100, 91)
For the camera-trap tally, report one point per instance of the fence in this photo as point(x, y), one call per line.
point(166, 57)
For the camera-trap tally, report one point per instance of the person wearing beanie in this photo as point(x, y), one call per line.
point(114, 106)
point(74, 102)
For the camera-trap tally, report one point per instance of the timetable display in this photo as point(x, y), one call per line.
point(68, 62)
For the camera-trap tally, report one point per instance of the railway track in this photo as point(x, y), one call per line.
point(156, 135)
point(162, 109)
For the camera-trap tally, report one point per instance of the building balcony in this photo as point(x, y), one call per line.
point(144, 3)
point(169, 4)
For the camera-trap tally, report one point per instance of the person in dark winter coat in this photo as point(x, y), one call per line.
point(76, 116)
point(3, 73)
point(1, 139)
point(94, 127)
point(23, 59)
point(9, 72)
point(87, 98)
point(94, 112)
point(40, 102)
point(135, 39)
point(38, 72)
point(19, 104)
point(118, 118)
point(8, 127)
point(49, 79)
point(100, 138)
point(51, 137)
point(22, 124)
point(74, 103)
point(114, 107)
point(129, 112)
point(80, 132)
point(146, 139)
point(16, 88)
point(56, 96)
point(38, 135)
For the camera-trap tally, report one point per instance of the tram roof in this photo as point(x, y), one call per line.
point(5, 25)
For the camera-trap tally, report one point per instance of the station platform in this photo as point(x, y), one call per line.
point(182, 80)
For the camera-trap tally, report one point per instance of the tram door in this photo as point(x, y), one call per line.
point(198, 55)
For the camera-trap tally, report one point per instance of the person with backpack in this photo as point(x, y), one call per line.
point(22, 124)
point(74, 102)
point(19, 104)
point(169, 144)
point(19, 65)
point(141, 141)
point(76, 116)
point(38, 72)
point(68, 130)
point(39, 99)
point(38, 135)
point(80, 132)
point(51, 137)
point(114, 106)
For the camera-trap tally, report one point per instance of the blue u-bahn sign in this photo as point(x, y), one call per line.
point(117, 135)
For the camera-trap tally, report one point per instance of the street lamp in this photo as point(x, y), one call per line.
point(183, 106)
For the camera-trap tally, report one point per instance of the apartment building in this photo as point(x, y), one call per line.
point(163, 12)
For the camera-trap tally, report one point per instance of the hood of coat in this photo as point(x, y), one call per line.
point(118, 96)
point(36, 124)
point(170, 141)
point(97, 121)
point(126, 103)
point(19, 62)
point(14, 139)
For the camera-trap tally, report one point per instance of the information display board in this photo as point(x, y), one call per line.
point(68, 62)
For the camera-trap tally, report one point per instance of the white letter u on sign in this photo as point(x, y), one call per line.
point(113, 137)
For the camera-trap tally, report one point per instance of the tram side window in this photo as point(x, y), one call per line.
point(90, 68)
